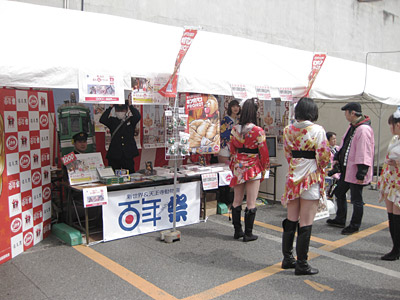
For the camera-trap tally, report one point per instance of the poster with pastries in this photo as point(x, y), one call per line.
point(204, 123)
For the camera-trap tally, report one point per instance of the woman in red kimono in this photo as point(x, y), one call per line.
point(249, 161)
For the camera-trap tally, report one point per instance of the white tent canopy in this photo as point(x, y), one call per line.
point(46, 47)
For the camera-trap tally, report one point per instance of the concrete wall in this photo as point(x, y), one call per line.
point(342, 28)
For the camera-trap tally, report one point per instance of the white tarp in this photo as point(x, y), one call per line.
point(45, 47)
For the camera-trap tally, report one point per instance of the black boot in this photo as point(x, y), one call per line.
point(303, 242)
point(289, 229)
point(249, 216)
point(236, 212)
point(395, 235)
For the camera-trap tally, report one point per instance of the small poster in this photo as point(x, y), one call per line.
point(209, 181)
point(286, 94)
point(239, 91)
point(145, 90)
point(84, 168)
point(96, 196)
point(98, 87)
point(204, 123)
point(263, 92)
point(153, 126)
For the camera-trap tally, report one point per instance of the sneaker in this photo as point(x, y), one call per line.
point(349, 230)
point(334, 223)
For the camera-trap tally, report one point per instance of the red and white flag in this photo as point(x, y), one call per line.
point(170, 88)
point(318, 61)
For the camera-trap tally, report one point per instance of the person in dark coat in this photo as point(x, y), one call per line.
point(123, 147)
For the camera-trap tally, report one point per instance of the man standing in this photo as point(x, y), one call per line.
point(123, 147)
point(355, 158)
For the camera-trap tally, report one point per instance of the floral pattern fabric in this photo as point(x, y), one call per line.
point(246, 166)
point(389, 181)
point(303, 173)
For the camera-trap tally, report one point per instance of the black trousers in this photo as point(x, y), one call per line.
point(356, 200)
point(122, 164)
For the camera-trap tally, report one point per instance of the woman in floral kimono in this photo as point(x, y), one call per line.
point(389, 186)
point(249, 161)
point(307, 152)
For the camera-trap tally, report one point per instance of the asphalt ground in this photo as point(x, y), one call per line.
point(207, 263)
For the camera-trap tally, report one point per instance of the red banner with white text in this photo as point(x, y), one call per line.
point(170, 88)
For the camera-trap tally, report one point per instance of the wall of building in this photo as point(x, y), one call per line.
point(343, 28)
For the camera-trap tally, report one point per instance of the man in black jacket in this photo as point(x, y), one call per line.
point(123, 147)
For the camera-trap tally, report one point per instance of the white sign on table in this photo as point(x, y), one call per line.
point(137, 211)
point(95, 196)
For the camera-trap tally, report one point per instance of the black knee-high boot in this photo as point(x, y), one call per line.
point(249, 216)
point(394, 229)
point(289, 230)
point(302, 245)
point(236, 212)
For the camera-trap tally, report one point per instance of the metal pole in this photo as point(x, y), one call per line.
point(379, 147)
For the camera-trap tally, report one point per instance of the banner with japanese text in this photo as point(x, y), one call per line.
point(98, 87)
point(25, 159)
point(170, 88)
point(138, 211)
point(318, 61)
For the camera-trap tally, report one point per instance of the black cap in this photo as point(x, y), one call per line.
point(80, 137)
point(121, 107)
point(352, 106)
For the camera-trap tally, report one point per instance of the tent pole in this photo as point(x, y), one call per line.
point(379, 146)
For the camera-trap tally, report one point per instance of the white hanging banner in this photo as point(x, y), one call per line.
point(101, 87)
point(239, 91)
point(286, 94)
point(263, 92)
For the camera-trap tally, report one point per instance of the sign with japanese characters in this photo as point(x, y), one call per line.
point(209, 181)
point(95, 196)
point(137, 211)
point(84, 168)
point(99, 87)
point(25, 192)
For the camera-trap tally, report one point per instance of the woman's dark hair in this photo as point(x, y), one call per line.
point(392, 120)
point(231, 104)
point(249, 112)
point(329, 134)
point(306, 109)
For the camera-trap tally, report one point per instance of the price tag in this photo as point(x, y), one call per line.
point(68, 158)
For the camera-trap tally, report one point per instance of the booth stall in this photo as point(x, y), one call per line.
point(216, 65)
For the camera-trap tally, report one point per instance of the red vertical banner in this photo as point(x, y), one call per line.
point(7, 102)
point(318, 61)
point(170, 88)
point(25, 206)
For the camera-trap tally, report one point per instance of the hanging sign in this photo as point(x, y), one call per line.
point(286, 94)
point(170, 88)
point(98, 87)
point(239, 91)
point(263, 92)
point(209, 181)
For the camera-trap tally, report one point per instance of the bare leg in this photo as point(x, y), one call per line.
point(252, 188)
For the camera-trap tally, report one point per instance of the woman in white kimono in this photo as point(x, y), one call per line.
point(389, 186)
point(307, 152)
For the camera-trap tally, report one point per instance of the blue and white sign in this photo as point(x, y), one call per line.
point(137, 211)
